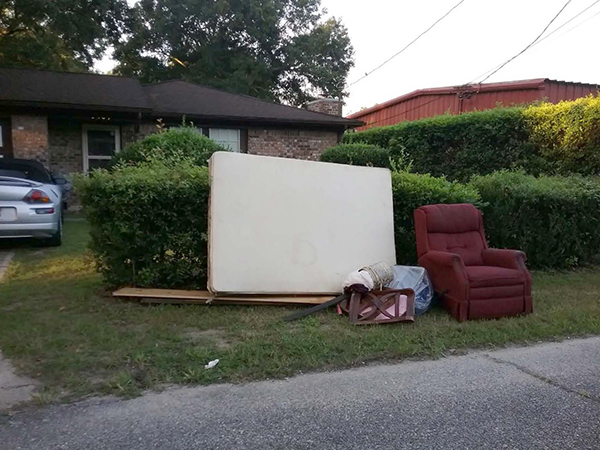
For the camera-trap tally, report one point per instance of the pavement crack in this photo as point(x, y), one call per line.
point(544, 379)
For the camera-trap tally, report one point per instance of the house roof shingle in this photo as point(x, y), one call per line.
point(180, 97)
point(83, 90)
point(23, 87)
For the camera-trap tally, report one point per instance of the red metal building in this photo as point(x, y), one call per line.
point(458, 99)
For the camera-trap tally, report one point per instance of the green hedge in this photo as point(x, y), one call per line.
point(539, 139)
point(555, 220)
point(567, 134)
point(148, 223)
point(357, 155)
point(183, 142)
point(458, 147)
point(411, 191)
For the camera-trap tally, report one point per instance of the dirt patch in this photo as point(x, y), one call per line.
point(5, 258)
point(11, 307)
point(13, 389)
point(216, 336)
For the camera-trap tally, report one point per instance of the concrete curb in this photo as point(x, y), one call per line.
point(14, 389)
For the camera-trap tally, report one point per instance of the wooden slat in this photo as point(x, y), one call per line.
point(180, 296)
point(217, 301)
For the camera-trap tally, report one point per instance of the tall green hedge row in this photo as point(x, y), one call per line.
point(148, 213)
point(149, 222)
point(357, 155)
point(547, 138)
point(567, 134)
point(554, 220)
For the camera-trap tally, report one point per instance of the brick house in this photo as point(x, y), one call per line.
point(72, 122)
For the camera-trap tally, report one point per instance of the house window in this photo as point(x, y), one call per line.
point(228, 138)
point(100, 143)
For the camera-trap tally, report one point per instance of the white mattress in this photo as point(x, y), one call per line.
point(286, 226)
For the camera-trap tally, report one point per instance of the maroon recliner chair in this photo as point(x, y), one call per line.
point(476, 281)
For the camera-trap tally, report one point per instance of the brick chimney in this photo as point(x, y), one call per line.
point(330, 106)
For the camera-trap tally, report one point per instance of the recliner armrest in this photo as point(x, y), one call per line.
point(447, 272)
point(509, 259)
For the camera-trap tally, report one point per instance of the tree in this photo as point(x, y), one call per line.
point(284, 50)
point(58, 34)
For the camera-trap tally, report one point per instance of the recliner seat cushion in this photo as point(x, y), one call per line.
point(488, 276)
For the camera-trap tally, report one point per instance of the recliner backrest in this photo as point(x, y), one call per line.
point(456, 228)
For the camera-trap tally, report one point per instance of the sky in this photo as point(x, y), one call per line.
point(476, 37)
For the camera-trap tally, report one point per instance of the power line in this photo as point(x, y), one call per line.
point(407, 45)
point(527, 47)
point(536, 42)
point(544, 38)
point(566, 23)
point(579, 24)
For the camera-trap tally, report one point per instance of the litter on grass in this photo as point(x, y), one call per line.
point(211, 364)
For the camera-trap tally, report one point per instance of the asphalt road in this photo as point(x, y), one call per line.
point(541, 397)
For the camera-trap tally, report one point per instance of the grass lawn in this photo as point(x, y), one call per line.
point(58, 325)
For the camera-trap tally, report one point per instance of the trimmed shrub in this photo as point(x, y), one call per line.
point(539, 139)
point(148, 223)
point(357, 155)
point(555, 220)
point(567, 134)
point(411, 191)
point(184, 142)
point(458, 147)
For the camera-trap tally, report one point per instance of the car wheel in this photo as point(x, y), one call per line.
point(56, 240)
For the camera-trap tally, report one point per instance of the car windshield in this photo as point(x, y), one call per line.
point(28, 170)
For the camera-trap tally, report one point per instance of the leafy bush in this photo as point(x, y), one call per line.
point(411, 191)
point(546, 138)
point(184, 142)
point(148, 223)
point(459, 146)
point(555, 220)
point(357, 155)
point(567, 134)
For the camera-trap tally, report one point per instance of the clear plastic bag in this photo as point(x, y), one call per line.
point(415, 278)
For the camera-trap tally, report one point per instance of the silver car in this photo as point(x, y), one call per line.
point(31, 202)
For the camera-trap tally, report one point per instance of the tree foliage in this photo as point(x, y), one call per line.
point(282, 50)
point(58, 34)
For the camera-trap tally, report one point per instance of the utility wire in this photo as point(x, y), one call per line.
point(536, 43)
point(566, 23)
point(579, 24)
point(407, 45)
point(547, 36)
point(527, 47)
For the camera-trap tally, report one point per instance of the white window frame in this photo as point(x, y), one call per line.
point(239, 136)
point(84, 136)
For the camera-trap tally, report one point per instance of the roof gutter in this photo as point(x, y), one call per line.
point(74, 106)
point(340, 123)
